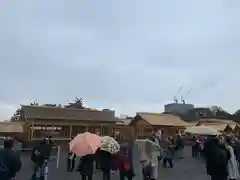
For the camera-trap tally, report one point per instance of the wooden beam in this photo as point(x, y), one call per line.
point(32, 130)
point(70, 132)
point(67, 124)
point(54, 138)
point(101, 130)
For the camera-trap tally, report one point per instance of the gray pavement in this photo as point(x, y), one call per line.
point(184, 169)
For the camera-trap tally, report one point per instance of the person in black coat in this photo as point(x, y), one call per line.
point(40, 153)
point(104, 159)
point(179, 146)
point(216, 158)
point(194, 146)
point(10, 162)
point(85, 167)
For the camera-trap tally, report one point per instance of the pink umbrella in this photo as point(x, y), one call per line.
point(85, 143)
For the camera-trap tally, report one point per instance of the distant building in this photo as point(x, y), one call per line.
point(188, 112)
point(178, 108)
point(198, 113)
point(205, 113)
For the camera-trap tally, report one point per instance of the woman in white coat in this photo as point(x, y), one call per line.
point(149, 161)
point(233, 172)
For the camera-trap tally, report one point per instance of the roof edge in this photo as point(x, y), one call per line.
point(93, 110)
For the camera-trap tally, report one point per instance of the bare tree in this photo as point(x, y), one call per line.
point(218, 112)
point(16, 116)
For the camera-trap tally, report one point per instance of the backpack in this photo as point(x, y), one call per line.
point(147, 170)
point(35, 156)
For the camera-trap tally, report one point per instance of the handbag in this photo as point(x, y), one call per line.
point(147, 170)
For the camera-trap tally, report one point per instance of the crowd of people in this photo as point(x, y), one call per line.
point(10, 161)
point(103, 161)
point(151, 159)
point(221, 154)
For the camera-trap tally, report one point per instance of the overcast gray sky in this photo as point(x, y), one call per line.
point(129, 55)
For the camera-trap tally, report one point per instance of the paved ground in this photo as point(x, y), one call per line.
point(185, 169)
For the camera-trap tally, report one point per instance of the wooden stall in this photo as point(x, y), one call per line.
point(227, 126)
point(64, 123)
point(8, 128)
point(146, 124)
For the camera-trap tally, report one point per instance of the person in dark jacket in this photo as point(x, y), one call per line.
point(216, 158)
point(85, 167)
point(194, 146)
point(40, 153)
point(168, 155)
point(10, 162)
point(104, 158)
point(179, 146)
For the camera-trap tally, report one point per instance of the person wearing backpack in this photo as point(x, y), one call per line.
point(40, 153)
point(10, 162)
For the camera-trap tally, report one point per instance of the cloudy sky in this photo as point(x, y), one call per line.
point(126, 55)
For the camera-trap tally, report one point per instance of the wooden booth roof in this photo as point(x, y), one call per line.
point(160, 119)
point(11, 127)
point(216, 120)
point(192, 123)
point(218, 127)
point(219, 122)
point(38, 112)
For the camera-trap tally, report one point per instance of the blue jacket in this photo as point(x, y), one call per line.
point(10, 164)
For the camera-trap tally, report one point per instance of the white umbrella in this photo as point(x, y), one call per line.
point(109, 144)
point(202, 130)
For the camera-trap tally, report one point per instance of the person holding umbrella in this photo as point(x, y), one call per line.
point(106, 155)
point(104, 159)
point(71, 161)
point(85, 166)
point(85, 145)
